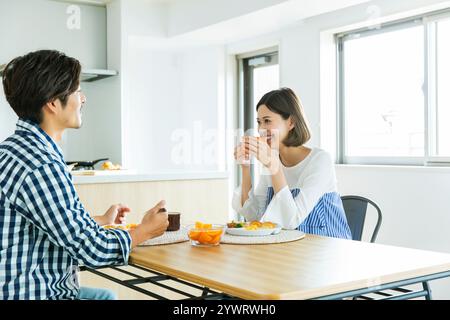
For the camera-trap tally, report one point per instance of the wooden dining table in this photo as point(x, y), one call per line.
point(311, 268)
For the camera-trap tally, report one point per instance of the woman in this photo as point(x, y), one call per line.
point(297, 187)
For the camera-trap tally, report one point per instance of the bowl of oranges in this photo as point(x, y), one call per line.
point(205, 234)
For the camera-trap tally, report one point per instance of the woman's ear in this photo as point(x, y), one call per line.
point(291, 123)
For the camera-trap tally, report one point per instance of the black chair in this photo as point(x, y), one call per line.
point(355, 208)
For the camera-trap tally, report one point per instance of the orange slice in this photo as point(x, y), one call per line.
point(198, 225)
point(204, 238)
point(214, 233)
point(194, 235)
point(215, 239)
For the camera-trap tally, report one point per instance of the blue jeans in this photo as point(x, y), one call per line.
point(87, 293)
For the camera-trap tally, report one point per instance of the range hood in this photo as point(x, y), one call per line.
point(87, 75)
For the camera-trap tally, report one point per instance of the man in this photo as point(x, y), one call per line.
point(45, 232)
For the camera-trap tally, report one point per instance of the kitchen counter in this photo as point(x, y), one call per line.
point(101, 176)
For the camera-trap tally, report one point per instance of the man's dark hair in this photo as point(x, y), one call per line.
point(32, 80)
point(286, 103)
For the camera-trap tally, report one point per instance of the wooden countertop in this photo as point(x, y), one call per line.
point(121, 176)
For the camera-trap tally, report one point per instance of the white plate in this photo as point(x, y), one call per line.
point(257, 232)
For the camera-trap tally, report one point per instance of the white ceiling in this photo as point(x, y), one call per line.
point(227, 20)
point(228, 25)
point(104, 2)
point(268, 19)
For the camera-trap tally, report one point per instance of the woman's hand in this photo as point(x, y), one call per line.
point(262, 151)
point(242, 155)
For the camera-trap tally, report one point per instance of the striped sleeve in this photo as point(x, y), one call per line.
point(48, 199)
point(291, 209)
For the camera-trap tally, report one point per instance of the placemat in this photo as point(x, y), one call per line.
point(167, 238)
point(283, 236)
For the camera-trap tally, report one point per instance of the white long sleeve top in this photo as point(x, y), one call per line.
point(310, 201)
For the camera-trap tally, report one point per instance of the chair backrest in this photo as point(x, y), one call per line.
point(355, 208)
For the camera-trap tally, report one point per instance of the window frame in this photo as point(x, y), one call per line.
point(249, 113)
point(428, 21)
point(246, 109)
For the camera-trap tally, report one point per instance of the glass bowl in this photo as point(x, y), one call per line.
point(207, 235)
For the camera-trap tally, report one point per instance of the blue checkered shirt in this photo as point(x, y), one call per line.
point(45, 232)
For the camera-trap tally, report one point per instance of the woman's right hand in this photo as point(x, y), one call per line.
point(241, 155)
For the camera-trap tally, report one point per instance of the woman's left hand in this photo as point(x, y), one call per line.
point(259, 148)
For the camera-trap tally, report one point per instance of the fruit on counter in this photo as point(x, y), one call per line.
point(200, 225)
point(108, 165)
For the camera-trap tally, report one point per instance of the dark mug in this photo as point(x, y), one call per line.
point(174, 221)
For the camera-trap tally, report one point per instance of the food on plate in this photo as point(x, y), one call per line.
point(253, 228)
point(234, 224)
point(252, 225)
point(205, 234)
point(108, 165)
point(129, 226)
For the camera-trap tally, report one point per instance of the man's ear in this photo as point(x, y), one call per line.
point(51, 106)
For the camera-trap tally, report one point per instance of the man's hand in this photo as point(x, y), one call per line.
point(154, 224)
point(156, 220)
point(116, 214)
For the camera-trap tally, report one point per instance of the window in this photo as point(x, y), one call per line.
point(443, 89)
point(259, 75)
point(393, 105)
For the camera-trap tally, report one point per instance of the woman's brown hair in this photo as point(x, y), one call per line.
point(285, 102)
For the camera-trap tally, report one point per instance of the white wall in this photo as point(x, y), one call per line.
point(414, 203)
point(28, 25)
point(172, 103)
point(171, 96)
point(99, 136)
